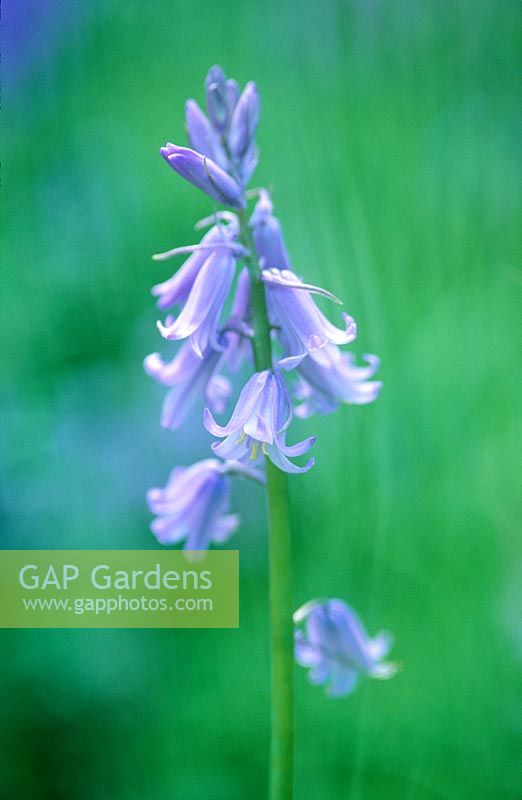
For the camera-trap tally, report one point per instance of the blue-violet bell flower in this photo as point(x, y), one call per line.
point(194, 504)
point(322, 388)
point(306, 330)
point(262, 415)
point(336, 648)
point(200, 316)
point(175, 290)
point(205, 174)
point(189, 377)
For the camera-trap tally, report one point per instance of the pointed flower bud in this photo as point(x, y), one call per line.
point(221, 97)
point(202, 136)
point(268, 237)
point(262, 415)
point(204, 173)
point(244, 121)
point(336, 648)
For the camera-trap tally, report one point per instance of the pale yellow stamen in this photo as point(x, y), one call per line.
point(253, 454)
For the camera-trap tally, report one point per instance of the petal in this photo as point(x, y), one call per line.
point(336, 335)
point(168, 530)
point(384, 671)
point(280, 460)
point(306, 654)
point(286, 279)
point(261, 424)
point(209, 291)
point(176, 289)
point(244, 407)
point(243, 470)
point(218, 392)
point(225, 527)
point(298, 449)
point(343, 681)
point(319, 673)
point(380, 645)
point(231, 447)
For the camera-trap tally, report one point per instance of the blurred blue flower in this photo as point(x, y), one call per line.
point(336, 648)
point(261, 416)
point(322, 388)
point(194, 504)
point(189, 377)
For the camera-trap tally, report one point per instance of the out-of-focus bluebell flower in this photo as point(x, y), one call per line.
point(306, 330)
point(194, 504)
point(322, 388)
point(200, 316)
point(262, 415)
point(334, 644)
point(203, 137)
point(268, 237)
point(219, 239)
point(204, 173)
point(189, 377)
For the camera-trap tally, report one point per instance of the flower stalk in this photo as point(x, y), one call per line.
point(279, 560)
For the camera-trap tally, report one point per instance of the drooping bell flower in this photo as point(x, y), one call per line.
point(174, 291)
point(333, 643)
point(194, 505)
point(306, 330)
point(200, 316)
point(189, 378)
point(262, 416)
point(321, 388)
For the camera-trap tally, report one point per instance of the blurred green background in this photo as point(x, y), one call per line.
point(388, 135)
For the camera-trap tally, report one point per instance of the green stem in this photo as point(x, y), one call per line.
point(280, 562)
